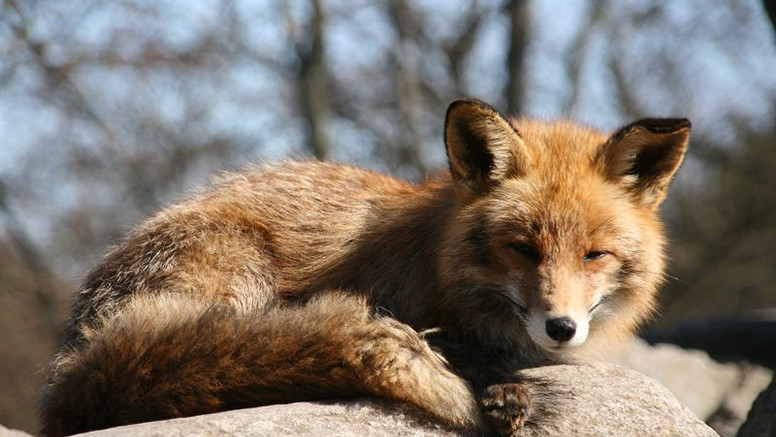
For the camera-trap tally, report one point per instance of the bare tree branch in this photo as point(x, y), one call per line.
point(408, 82)
point(461, 45)
point(577, 52)
point(312, 80)
point(518, 11)
point(44, 290)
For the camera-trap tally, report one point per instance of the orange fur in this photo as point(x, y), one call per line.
point(307, 280)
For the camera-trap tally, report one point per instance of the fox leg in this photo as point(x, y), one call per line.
point(502, 394)
point(506, 406)
point(174, 355)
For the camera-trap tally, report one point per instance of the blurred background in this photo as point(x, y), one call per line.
point(110, 110)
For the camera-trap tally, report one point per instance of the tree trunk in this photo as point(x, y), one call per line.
point(518, 11)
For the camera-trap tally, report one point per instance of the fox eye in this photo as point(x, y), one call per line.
point(594, 255)
point(526, 250)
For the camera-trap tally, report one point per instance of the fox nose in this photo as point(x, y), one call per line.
point(561, 329)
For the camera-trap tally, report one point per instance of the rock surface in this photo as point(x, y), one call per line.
point(718, 393)
point(697, 381)
point(5, 432)
point(627, 404)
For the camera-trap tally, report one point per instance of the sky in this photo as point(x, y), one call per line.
point(726, 74)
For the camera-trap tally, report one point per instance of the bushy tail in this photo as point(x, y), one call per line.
point(174, 356)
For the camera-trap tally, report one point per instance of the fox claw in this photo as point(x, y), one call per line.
point(506, 407)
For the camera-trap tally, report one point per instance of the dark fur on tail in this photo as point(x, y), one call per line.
point(175, 356)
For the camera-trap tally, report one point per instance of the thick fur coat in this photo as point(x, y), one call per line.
point(310, 280)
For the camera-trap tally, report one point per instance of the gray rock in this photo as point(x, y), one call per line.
point(761, 421)
point(358, 418)
point(5, 432)
point(606, 400)
point(718, 393)
point(696, 380)
point(586, 400)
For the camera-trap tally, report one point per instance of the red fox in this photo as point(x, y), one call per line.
point(309, 280)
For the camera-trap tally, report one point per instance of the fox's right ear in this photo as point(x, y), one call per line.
point(482, 146)
point(644, 156)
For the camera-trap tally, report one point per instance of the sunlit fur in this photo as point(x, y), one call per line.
point(564, 208)
point(310, 280)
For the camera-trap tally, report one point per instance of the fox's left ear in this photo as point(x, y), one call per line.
point(644, 156)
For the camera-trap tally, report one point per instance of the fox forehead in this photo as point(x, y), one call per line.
point(563, 201)
point(562, 215)
point(561, 145)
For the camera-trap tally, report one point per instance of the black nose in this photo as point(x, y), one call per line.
point(561, 329)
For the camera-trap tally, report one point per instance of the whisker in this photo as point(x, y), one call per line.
point(681, 281)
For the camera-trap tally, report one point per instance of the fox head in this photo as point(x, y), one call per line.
point(556, 241)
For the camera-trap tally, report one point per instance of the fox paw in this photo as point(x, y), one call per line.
point(506, 407)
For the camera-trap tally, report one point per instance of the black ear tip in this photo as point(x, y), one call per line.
point(470, 103)
point(664, 125)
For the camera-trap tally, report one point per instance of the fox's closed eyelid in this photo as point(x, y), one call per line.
point(525, 249)
point(595, 255)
